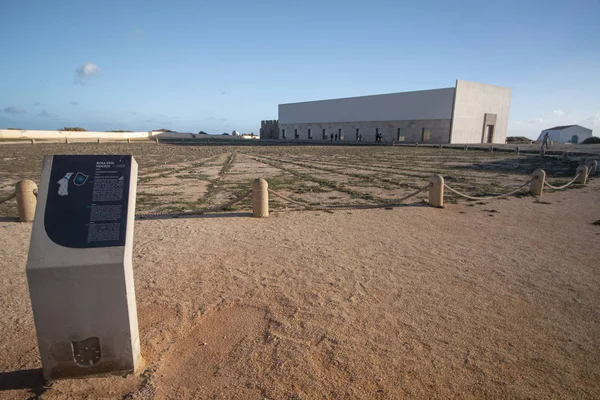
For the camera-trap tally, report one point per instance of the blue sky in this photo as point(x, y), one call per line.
point(223, 65)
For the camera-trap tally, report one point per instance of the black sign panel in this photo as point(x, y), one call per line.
point(87, 200)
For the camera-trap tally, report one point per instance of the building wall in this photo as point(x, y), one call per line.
point(412, 130)
point(566, 135)
point(420, 105)
point(269, 129)
point(474, 100)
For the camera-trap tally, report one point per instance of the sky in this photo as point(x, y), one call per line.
point(223, 65)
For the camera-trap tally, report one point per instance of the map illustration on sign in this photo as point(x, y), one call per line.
point(63, 184)
point(80, 179)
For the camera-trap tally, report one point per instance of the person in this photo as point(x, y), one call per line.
point(546, 142)
point(336, 136)
point(331, 137)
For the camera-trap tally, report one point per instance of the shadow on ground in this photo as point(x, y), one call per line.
point(183, 215)
point(31, 379)
point(524, 165)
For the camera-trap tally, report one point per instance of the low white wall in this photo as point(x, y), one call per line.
point(27, 134)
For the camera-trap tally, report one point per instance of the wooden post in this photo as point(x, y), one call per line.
point(26, 191)
point(537, 184)
point(260, 198)
point(582, 171)
point(436, 191)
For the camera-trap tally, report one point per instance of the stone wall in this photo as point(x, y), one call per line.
point(409, 131)
point(269, 129)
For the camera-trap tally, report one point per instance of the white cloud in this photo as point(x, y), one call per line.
point(14, 110)
point(47, 114)
point(86, 71)
point(593, 119)
point(558, 113)
point(532, 121)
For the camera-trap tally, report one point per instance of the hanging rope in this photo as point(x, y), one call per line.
point(196, 212)
point(10, 197)
point(350, 207)
point(466, 196)
point(563, 186)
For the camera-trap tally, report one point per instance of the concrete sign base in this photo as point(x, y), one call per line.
point(79, 267)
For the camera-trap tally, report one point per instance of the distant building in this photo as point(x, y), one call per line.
point(467, 113)
point(269, 129)
point(567, 134)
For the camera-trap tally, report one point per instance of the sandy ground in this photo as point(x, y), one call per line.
point(496, 300)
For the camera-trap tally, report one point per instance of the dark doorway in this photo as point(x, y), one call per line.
point(489, 134)
point(575, 139)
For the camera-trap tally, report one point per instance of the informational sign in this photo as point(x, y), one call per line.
point(87, 200)
point(80, 267)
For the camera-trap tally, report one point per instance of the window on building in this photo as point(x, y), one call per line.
point(310, 133)
point(283, 133)
point(296, 136)
point(425, 134)
point(400, 137)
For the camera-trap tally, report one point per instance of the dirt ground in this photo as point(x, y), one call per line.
point(191, 178)
point(497, 299)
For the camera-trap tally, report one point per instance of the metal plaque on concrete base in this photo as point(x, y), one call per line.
point(79, 267)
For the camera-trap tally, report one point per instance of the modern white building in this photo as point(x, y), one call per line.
point(467, 113)
point(567, 134)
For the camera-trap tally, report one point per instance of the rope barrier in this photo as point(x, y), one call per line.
point(350, 207)
point(563, 186)
point(197, 212)
point(489, 197)
point(10, 197)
